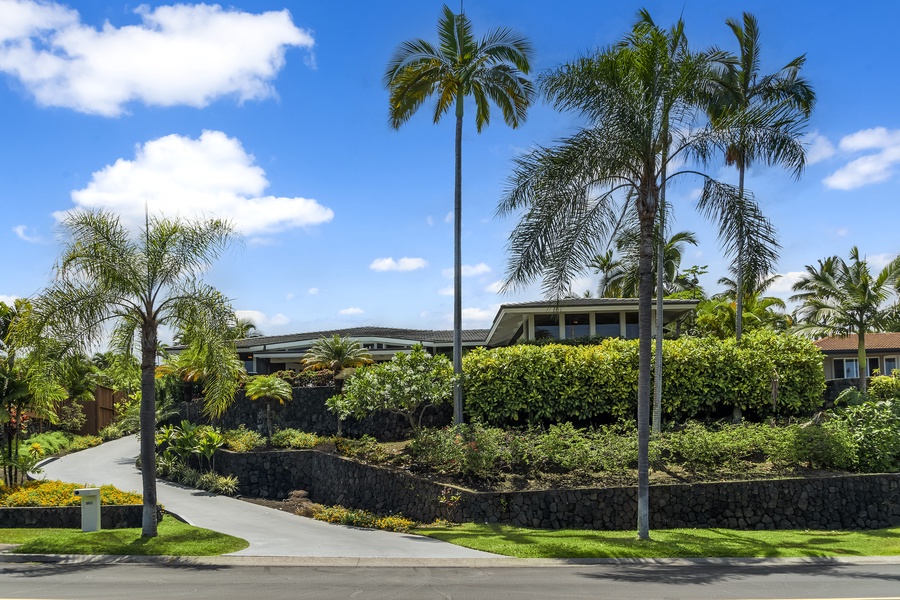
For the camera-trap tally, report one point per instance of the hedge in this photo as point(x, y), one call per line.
point(525, 384)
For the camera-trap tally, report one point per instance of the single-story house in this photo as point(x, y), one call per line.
point(565, 319)
point(841, 361)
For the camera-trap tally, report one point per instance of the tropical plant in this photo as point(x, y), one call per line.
point(139, 281)
point(336, 353)
point(406, 385)
point(490, 70)
point(842, 298)
point(270, 389)
point(620, 276)
point(641, 98)
point(785, 100)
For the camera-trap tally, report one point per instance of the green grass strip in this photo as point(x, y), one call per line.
point(175, 539)
point(671, 543)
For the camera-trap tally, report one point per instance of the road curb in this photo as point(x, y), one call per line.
point(388, 562)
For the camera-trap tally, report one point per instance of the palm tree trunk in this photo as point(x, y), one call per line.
point(861, 359)
point(148, 428)
point(660, 290)
point(737, 414)
point(457, 268)
point(645, 312)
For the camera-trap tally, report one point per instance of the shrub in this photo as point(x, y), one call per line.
point(363, 518)
point(308, 378)
point(875, 429)
point(555, 383)
point(52, 442)
point(58, 493)
point(243, 439)
point(83, 442)
point(292, 438)
point(699, 448)
point(365, 448)
point(885, 387)
point(824, 447)
point(71, 417)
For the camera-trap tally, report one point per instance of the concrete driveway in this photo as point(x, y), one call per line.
point(270, 532)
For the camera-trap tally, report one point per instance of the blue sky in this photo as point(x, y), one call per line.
point(273, 114)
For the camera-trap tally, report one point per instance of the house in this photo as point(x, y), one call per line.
point(564, 319)
point(841, 355)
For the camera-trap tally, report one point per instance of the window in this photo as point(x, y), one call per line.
point(546, 327)
point(577, 326)
point(607, 324)
point(632, 327)
point(890, 365)
point(848, 368)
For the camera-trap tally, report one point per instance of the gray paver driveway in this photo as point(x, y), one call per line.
point(270, 532)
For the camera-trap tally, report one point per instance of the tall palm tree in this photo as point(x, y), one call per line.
point(108, 275)
point(843, 298)
point(785, 97)
point(569, 195)
point(490, 70)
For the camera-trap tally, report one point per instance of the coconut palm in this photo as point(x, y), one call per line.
point(571, 196)
point(490, 70)
point(740, 89)
point(842, 298)
point(108, 275)
point(270, 389)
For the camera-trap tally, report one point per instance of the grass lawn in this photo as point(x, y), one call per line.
point(175, 539)
point(670, 543)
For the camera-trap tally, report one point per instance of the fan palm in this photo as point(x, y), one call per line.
point(107, 275)
point(490, 70)
point(271, 389)
point(336, 353)
point(785, 97)
point(843, 298)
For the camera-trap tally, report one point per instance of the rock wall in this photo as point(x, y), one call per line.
point(307, 412)
point(69, 517)
point(851, 502)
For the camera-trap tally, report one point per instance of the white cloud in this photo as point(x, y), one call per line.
point(178, 55)
point(477, 315)
point(353, 310)
point(448, 218)
point(289, 296)
point(22, 232)
point(446, 291)
point(469, 270)
point(429, 221)
point(8, 300)
point(872, 168)
point(403, 264)
point(495, 287)
point(784, 284)
point(877, 262)
point(209, 176)
point(841, 232)
point(312, 291)
point(818, 148)
point(262, 320)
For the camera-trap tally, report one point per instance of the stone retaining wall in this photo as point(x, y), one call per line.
point(307, 412)
point(69, 517)
point(850, 502)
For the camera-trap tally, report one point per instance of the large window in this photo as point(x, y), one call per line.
point(848, 368)
point(577, 326)
point(632, 327)
point(546, 327)
point(890, 365)
point(608, 324)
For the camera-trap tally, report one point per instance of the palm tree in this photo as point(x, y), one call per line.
point(107, 275)
point(490, 70)
point(336, 353)
point(843, 298)
point(788, 101)
point(271, 389)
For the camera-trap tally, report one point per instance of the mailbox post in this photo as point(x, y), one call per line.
point(90, 508)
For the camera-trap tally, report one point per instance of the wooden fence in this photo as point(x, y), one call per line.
point(100, 411)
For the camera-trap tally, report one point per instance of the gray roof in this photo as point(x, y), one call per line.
point(419, 335)
point(568, 302)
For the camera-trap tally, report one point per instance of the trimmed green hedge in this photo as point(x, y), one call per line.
point(556, 383)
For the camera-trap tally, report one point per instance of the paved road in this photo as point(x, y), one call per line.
point(270, 532)
point(636, 581)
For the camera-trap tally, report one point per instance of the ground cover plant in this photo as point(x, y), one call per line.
point(175, 539)
point(59, 493)
point(672, 543)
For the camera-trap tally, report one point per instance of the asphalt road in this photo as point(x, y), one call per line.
point(768, 580)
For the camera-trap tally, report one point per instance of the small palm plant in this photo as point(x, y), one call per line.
point(336, 353)
point(270, 389)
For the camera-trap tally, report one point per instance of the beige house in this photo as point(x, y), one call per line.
point(841, 361)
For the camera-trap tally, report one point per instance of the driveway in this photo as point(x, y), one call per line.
point(270, 532)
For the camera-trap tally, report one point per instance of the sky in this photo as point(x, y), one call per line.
point(274, 115)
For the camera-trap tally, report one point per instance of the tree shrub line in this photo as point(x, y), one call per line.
point(766, 373)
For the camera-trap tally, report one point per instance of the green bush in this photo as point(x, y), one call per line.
point(875, 430)
point(365, 448)
point(292, 438)
point(771, 374)
point(824, 447)
point(71, 417)
point(885, 387)
point(243, 439)
point(702, 449)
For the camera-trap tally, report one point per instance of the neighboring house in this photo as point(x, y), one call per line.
point(841, 362)
point(573, 318)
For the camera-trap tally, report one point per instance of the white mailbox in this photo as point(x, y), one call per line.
point(90, 508)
